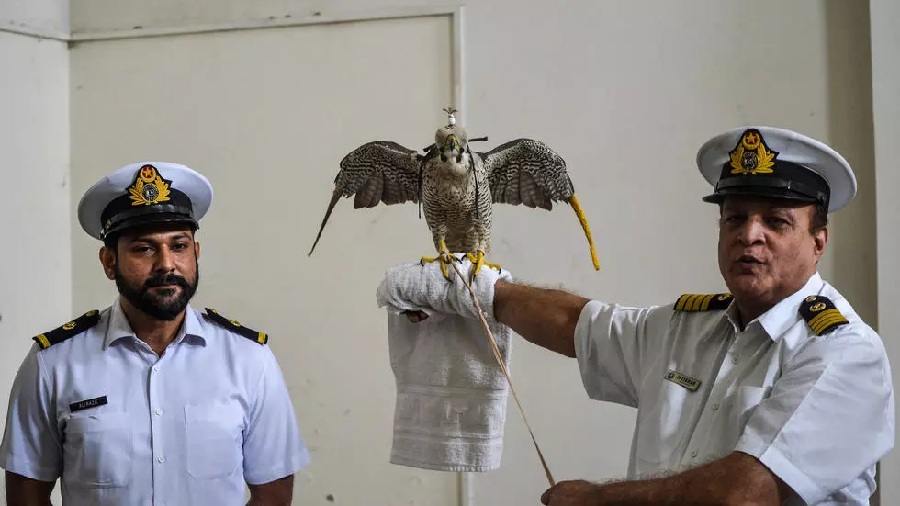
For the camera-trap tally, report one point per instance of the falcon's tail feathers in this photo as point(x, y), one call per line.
point(334, 199)
point(475, 175)
point(573, 201)
point(419, 186)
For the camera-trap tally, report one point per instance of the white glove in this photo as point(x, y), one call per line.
point(416, 287)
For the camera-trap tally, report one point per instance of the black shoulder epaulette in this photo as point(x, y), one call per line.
point(68, 330)
point(235, 326)
point(821, 314)
point(701, 302)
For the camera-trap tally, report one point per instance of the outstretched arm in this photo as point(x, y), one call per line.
point(735, 480)
point(545, 317)
point(26, 491)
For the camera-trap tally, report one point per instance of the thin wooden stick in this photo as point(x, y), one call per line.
point(499, 358)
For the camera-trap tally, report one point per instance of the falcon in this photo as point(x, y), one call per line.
point(456, 187)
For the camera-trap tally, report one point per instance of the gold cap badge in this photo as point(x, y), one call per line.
point(148, 187)
point(751, 156)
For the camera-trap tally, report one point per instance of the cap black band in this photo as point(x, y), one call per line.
point(787, 180)
point(121, 214)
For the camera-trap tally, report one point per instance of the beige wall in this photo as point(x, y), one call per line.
point(849, 116)
point(885, 14)
point(35, 257)
point(626, 91)
point(49, 18)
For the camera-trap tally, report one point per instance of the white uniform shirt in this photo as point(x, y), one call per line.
point(817, 410)
point(188, 428)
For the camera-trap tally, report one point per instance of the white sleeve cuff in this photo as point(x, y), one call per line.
point(27, 469)
point(298, 462)
point(585, 347)
point(582, 336)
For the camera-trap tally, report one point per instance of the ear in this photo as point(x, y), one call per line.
point(108, 261)
point(821, 239)
point(196, 250)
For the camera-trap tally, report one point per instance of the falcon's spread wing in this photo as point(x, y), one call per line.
point(377, 171)
point(527, 172)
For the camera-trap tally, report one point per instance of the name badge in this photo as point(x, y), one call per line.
point(87, 404)
point(688, 382)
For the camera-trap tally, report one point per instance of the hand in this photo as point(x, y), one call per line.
point(572, 493)
point(415, 288)
point(415, 316)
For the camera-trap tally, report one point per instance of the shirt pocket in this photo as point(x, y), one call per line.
point(214, 433)
point(660, 427)
point(98, 450)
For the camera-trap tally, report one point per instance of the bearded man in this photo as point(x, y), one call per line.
point(149, 401)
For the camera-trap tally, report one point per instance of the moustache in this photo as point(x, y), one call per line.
point(166, 279)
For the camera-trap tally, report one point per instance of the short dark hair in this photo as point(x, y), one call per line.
point(111, 241)
point(819, 219)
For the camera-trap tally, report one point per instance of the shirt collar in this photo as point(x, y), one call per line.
point(119, 327)
point(780, 317)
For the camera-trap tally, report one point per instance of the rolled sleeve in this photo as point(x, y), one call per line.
point(610, 346)
point(31, 445)
point(830, 416)
point(273, 445)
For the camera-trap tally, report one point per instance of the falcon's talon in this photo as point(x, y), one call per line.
point(444, 258)
point(478, 262)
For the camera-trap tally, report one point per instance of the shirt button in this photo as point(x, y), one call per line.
point(693, 455)
point(715, 407)
point(160, 459)
point(734, 359)
point(156, 368)
point(159, 412)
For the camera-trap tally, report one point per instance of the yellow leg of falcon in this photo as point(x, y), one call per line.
point(444, 257)
point(573, 201)
point(478, 262)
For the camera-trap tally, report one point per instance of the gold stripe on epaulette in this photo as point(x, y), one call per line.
point(697, 303)
point(236, 326)
point(820, 329)
point(43, 341)
point(825, 319)
point(700, 302)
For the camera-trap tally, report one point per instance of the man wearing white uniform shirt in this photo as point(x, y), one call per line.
point(772, 393)
point(149, 401)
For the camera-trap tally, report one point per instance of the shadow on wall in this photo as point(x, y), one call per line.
point(850, 132)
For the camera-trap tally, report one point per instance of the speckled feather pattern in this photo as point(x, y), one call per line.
point(448, 202)
point(379, 171)
point(527, 172)
point(519, 172)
